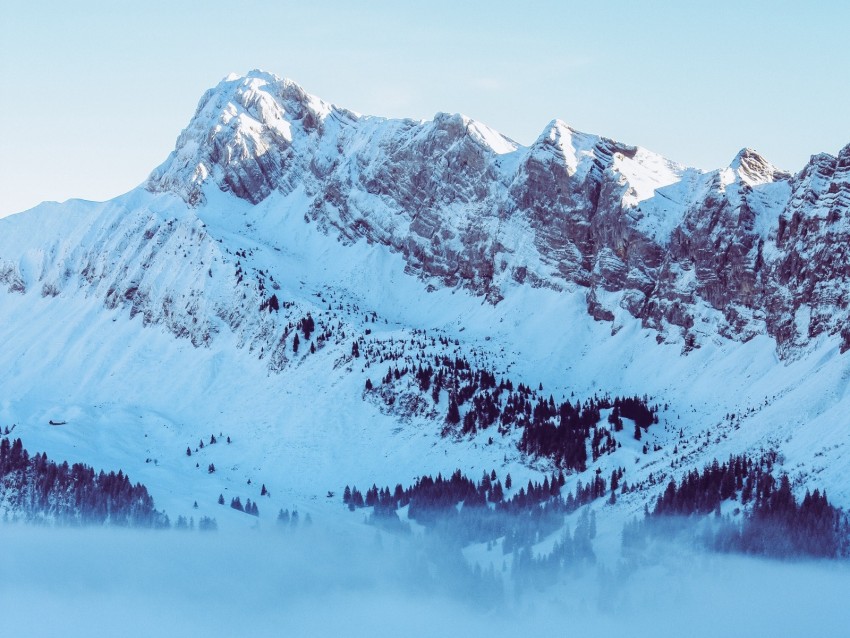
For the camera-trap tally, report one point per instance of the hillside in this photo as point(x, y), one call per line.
point(578, 267)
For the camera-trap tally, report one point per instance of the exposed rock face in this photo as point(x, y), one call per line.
point(737, 251)
point(807, 285)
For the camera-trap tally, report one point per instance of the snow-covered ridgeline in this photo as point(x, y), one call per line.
point(467, 206)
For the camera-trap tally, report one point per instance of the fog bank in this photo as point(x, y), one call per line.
point(76, 582)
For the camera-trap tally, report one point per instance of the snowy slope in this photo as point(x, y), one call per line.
point(146, 322)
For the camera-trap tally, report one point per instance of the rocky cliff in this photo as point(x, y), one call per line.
point(737, 251)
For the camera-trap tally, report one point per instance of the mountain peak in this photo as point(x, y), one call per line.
point(753, 169)
point(239, 136)
point(568, 144)
point(459, 124)
point(258, 74)
point(556, 130)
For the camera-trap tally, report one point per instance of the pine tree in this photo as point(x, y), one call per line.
point(497, 494)
point(453, 415)
point(188, 451)
point(221, 499)
point(307, 325)
point(295, 343)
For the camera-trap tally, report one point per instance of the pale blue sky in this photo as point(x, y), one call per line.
point(96, 92)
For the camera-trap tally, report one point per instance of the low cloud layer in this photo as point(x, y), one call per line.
point(316, 583)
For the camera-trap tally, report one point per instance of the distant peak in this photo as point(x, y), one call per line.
point(445, 120)
point(481, 133)
point(556, 128)
point(567, 140)
point(747, 155)
point(239, 137)
point(234, 85)
point(554, 133)
point(255, 74)
point(558, 123)
point(753, 169)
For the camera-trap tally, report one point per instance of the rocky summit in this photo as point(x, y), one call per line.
point(739, 251)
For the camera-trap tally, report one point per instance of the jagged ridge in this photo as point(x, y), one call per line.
point(690, 253)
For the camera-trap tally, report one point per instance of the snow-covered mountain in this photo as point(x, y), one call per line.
point(577, 266)
point(737, 251)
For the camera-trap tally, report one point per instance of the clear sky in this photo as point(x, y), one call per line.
point(96, 92)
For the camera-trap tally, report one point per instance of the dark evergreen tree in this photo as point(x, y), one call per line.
point(453, 415)
point(307, 326)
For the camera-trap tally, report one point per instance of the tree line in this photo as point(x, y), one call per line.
point(466, 510)
point(37, 487)
point(772, 520)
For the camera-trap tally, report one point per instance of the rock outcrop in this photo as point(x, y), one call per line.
point(739, 251)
